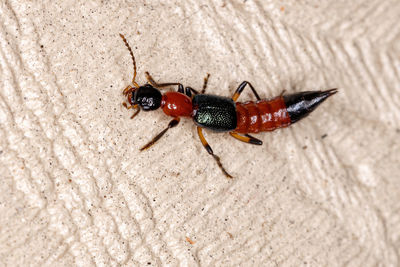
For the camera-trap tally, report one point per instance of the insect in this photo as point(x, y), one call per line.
point(218, 113)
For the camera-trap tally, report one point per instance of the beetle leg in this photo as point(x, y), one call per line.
point(190, 90)
point(210, 151)
point(240, 89)
point(134, 114)
point(134, 107)
point(128, 93)
point(246, 138)
point(180, 89)
point(205, 83)
point(171, 124)
point(151, 81)
point(129, 89)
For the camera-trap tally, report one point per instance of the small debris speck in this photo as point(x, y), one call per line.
point(190, 241)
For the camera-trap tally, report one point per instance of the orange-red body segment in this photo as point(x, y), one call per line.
point(175, 104)
point(262, 115)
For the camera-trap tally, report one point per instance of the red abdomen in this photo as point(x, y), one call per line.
point(262, 115)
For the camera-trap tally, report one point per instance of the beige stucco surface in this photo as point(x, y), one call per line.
point(75, 190)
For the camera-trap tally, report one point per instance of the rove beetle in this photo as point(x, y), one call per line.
point(218, 113)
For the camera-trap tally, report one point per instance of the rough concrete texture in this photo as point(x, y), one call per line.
point(75, 190)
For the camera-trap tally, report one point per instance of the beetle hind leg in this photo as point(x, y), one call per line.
point(210, 151)
point(246, 138)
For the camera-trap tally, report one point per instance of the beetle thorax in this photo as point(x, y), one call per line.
point(175, 104)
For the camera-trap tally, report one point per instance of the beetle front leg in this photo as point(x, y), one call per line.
point(132, 107)
point(151, 81)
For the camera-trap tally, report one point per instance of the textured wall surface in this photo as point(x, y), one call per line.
point(75, 190)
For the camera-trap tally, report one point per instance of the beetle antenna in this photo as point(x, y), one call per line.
point(133, 60)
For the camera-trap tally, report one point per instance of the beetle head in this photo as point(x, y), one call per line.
point(147, 97)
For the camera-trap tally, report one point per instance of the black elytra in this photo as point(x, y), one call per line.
point(213, 112)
